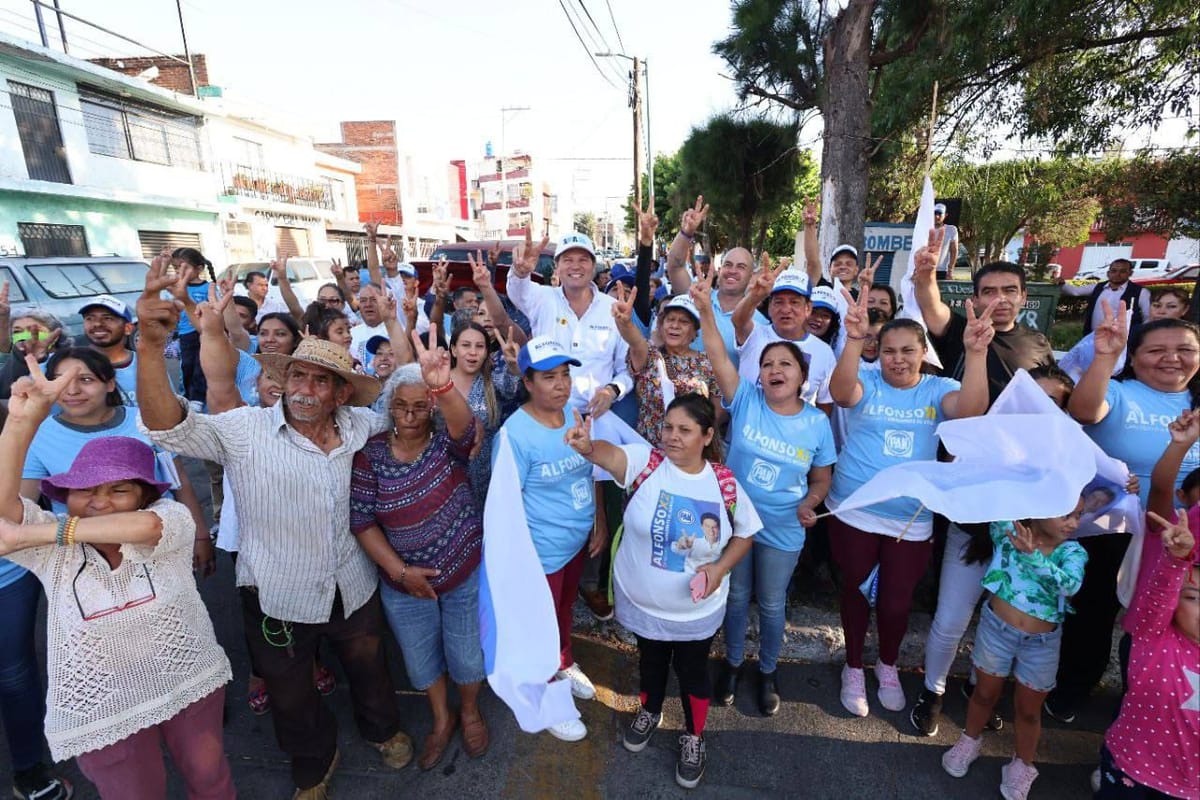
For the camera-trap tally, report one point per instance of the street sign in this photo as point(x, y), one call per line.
point(1038, 311)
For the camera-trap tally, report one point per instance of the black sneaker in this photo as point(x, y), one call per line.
point(768, 694)
point(995, 721)
point(725, 688)
point(924, 715)
point(690, 768)
point(637, 736)
point(38, 783)
point(1059, 710)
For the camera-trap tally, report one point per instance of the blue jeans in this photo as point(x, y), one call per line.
point(437, 636)
point(22, 699)
point(767, 570)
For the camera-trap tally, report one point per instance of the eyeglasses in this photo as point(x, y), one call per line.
point(403, 410)
point(141, 586)
point(330, 301)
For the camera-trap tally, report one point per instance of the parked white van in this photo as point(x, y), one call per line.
point(307, 276)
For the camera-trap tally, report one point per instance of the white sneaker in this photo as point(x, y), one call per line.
point(581, 686)
point(572, 730)
point(854, 691)
point(891, 694)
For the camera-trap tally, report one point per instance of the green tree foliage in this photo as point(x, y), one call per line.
point(666, 190)
point(1150, 193)
point(585, 223)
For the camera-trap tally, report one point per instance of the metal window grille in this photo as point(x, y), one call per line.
point(44, 240)
point(39, 131)
point(153, 242)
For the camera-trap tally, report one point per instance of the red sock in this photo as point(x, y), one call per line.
point(642, 697)
point(699, 714)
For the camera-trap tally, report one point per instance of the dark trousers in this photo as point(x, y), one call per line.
point(22, 699)
point(690, 660)
point(1087, 634)
point(304, 726)
point(195, 387)
point(1116, 785)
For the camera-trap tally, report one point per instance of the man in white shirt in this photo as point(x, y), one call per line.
point(1118, 288)
point(949, 254)
point(576, 315)
point(789, 308)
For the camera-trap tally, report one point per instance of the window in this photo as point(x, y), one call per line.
point(41, 137)
point(336, 189)
point(140, 132)
point(15, 295)
point(67, 280)
point(153, 242)
point(247, 153)
point(43, 240)
point(121, 277)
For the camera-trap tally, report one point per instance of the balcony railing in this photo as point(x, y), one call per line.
point(267, 185)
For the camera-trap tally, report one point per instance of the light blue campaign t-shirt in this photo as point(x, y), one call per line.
point(199, 294)
point(890, 426)
point(246, 378)
point(556, 489)
point(771, 454)
point(56, 444)
point(1135, 429)
point(724, 320)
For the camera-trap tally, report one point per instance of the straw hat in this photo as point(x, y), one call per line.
point(330, 356)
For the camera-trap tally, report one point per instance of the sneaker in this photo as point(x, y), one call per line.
point(725, 689)
point(581, 686)
point(396, 751)
point(690, 767)
point(891, 694)
point(39, 783)
point(258, 700)
point(1058, 709)
point(597, 603)
point(640, 730)
point(958, 759)
point(325, 681)
point(573, 730)
point(1016, 778)
point(995, 721)
point(854, 691)
point(924, 715)
point(768, 694)
point(1095, 781)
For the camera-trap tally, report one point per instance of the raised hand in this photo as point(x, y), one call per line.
point(279, 267)
point(866, 275)
point(579, 437)
point(34, 395)
point(210, 314)
point(980, 331)
point(1186, 429)
point(480, 275)
point(434, 360)
point(408, 304)
point(701, 289)
point(157, 317)
point(1112, 333)
point(1177, 538)
point(622, 310)
point(372, 229)
point(1021, 538)
point(856, 321)
point(509, 348)
point(647, 223)
point(390, 259)
point(525, 255)
point(441, 278)
point(5, 308)
point(926, 259)
point(693, 217)
point(494, 254)
point(336, 269)
point(810, 215)
point(227, 283)
point(387, 305)
point(764, 280)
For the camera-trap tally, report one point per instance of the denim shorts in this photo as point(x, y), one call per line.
point(998, 645)
point(437, 636)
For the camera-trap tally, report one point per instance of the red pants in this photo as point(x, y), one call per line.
point(132, 769)
point(564, 585)
point(901, 565)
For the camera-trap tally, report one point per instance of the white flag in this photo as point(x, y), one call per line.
point(909, 308)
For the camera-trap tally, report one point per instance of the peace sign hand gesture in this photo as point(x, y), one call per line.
point(622, 310)
point(5, 308)
point(1112, 333)
point(701, 289)
point(34, 395)
point(866, 275)
point(480, 274)
point(1177, 538)
point(926, 259)
point(980, 331)
point(210, 314)
point(693, 217)
point(809, 214)
point(857, 320)
point(525, 255)
point(157, 317)
point(434, 360)
point(509, 349)
point(579, 437)
point(764, 279)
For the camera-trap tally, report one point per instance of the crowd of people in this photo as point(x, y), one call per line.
point(350, 450)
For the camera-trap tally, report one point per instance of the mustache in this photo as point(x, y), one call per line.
point(307, 401)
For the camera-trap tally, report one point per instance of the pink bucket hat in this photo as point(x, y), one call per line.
point(105, 460)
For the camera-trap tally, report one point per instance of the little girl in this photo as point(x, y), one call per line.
point(194, 386)
point(1034, 569)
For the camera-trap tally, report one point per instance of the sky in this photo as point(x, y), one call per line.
point(443, 70)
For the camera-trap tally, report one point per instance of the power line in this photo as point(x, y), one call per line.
point(586, 49)
point(596, 41)
point(616, 30)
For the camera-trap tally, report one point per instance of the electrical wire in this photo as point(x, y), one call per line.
point(586, 49)
point(596, 41)
point(616, 30)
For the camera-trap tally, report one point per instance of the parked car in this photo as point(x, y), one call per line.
point(62, 285)
point(1152, 268)
point(460, 270)
point(1184, 274)
point(307, 276)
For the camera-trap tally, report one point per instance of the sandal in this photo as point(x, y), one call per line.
point(258, 700)
point(326, 683)
point(434, 746)
point(475, 737)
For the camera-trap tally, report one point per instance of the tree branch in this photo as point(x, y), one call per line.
point(885, 57)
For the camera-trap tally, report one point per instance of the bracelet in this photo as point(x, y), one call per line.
point(62, 526)
point(689, 236)
point(858, 338)
point(441, 390)
point(403, 571)
point(69, 533)
point(616, 390)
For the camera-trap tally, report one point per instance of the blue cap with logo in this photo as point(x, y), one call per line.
point(621, 273)
point(682, 302)
point(406, 269)
point(110, 303)
point(823, 297)
point(792, 280)
point(574, 241)
point(542, 353)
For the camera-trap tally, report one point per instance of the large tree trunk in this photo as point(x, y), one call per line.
point(846, 111)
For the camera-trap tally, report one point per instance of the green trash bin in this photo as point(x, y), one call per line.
point(1041, 302)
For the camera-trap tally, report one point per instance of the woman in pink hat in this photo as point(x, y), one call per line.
point(132, 657)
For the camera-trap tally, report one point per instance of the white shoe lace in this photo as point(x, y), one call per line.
point(690, 747)
point(643, 722)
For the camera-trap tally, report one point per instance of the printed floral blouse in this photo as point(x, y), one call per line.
point(688, 373)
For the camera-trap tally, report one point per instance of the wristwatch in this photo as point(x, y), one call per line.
point(616, 391)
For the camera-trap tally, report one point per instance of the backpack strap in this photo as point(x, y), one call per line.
point(656, 458)
point(728, 484)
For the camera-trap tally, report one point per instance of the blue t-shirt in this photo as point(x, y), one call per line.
point(556, 489)
point(890, 426)
point(771, 455)
point(56, 444)
point(246, 378)
point(199, 294)
point(724, 320)
point(1135, 429)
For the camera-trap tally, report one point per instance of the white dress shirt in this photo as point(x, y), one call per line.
point(293, 504)
point(592, 338)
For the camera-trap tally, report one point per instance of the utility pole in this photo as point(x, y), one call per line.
point(636, 102)
point(186, 52)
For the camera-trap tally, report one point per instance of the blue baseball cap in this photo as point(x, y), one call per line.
point(407, 269)
point(108, 303)
point(792, 280)
point(542, 353)
point(374, 342)
point(620, 273)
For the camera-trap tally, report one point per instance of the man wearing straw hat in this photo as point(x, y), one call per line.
point(301, 574)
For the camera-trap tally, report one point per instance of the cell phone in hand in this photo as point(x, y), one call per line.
point(699, 585)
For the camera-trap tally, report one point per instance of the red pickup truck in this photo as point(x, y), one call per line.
point(460, 270)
